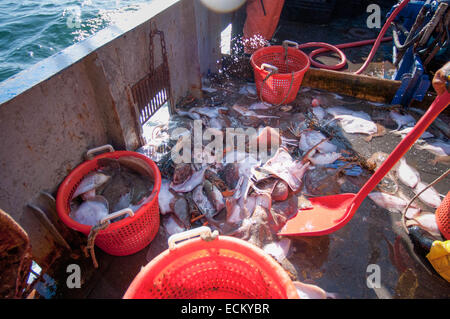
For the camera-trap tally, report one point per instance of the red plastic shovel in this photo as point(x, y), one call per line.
point(330, 213)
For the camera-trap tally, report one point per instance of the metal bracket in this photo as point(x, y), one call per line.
point(153, 90)
point(414, 85)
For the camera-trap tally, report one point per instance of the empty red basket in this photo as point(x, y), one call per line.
point(124, 237)
point(290, 64)
point(222, 268)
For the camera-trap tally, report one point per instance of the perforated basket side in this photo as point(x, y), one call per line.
point(281, 86)
point(132, 236)
point(223, 268)
point(443, 216)
point(123, 237)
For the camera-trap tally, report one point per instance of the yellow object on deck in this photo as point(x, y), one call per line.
point(439, 257)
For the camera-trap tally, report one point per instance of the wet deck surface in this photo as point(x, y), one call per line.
point(337, 262)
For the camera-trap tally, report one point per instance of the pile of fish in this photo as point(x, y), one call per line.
point(246, 196)
point(360, 122)
point(410, 178)
point(252, 198)
point(126, 182)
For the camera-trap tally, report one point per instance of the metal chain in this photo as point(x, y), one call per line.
point(154, 32)
point(151, 55)
point(165, 62)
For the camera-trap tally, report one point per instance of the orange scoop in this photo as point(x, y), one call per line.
point(330, 213)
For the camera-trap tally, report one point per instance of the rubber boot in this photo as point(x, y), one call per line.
point(421, 239)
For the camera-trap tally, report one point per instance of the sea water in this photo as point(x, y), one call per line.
point(32, 30)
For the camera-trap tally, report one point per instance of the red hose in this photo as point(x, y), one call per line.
point(326, 47)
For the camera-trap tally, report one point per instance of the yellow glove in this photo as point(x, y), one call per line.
point(439, 257)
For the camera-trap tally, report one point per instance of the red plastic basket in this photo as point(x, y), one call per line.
point(281, 87)
point(443, 216)
point(124, 237)
point(223, 268)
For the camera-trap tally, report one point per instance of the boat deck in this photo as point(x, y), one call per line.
point(337, 262)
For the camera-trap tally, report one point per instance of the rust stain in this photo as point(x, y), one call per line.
point(116, 116)
point(86, 113)
point(74, 136)
point(135, 118)
point(196, 91)
point(130, 99)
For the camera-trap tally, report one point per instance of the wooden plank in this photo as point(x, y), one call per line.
point(360, 86)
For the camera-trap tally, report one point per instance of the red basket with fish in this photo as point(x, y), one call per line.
point(128, 235)
point(279, 72)
point(211, 267)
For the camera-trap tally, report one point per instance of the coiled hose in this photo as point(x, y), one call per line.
point(323, 47)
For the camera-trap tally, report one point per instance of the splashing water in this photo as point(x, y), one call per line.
point(254, 43)
point(237, 65)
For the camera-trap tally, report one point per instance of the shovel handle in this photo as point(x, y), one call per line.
point(438, 105)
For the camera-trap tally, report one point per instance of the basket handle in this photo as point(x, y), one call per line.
point(90, 153)
point(117, 214)
point(273, 69)
point(286, 44)
point(204, 232)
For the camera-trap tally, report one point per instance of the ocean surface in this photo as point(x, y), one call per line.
point(32, 30)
